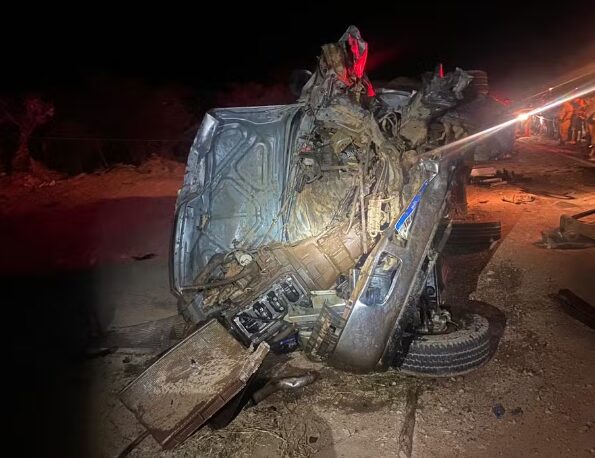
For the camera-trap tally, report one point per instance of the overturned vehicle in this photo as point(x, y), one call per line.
point(320, 224)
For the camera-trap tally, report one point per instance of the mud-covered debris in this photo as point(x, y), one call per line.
point(498, 410)
point(576, 231)
point(192, 381)
point(517, 411)
point(518, 199)
point(284, 383)
point(144, 257)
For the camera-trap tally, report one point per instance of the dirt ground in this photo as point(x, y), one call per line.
point(542, 374)
point(89, 220)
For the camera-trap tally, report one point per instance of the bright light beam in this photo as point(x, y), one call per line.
point(523, 116)
point(474, 138)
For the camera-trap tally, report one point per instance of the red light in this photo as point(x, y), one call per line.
point(359, 57)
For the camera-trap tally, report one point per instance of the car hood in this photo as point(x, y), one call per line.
point(233, 188)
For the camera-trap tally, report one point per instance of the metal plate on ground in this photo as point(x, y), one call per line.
point(186, 386)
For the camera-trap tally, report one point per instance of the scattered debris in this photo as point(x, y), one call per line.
point(47, 183)
point(284, 383)
point(405, 440)
point(483, 172)
point(519, 199)
point(566, 195)
point(516, 411)
point(491, 181)
point(498, 410)
point(492, 177)
point(474, 234)
point(575, 226)
point(144, 257)
point(574, 232)
point(556, 240)
point(498, 183)
point(576, 307)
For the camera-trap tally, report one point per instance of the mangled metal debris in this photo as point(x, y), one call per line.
point(283, 383)
point(576, 231)
point(518, 199)
point(319, 223)
point(492, 177)
point(474, 235)
point(575, 226)
point(338, 192)
point(185, 387)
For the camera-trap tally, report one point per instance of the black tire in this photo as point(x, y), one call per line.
point(450, 354)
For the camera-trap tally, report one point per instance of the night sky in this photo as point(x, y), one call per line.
point(523, 44)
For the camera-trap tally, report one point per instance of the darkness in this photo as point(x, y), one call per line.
point(207, 48)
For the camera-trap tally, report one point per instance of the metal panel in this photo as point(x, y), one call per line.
point(364, 338)
point(397, 100)
point(234, 184)
point(186, 386)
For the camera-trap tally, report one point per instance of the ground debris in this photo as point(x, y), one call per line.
point(498, 410)
point(518, 199)
point(576, 307)
point(405, 439)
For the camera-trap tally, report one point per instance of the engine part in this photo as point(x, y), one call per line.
point(286, 340)
point(306, 319)
point(243, 258)
point(320, 260)
point(326, 333)
point(278, 277)
point(262, 318)
point(313, 264)
point(376, 217)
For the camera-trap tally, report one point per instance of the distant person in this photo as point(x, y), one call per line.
point(590, 122)
point(565, 120)
point(577, 120)
point(523, 128)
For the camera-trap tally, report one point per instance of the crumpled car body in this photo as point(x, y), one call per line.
point(373, 327)
point(337, 196)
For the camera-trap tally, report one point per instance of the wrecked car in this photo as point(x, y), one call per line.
point(319, 225)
